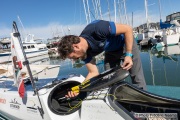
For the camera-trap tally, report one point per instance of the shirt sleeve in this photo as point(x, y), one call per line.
point(112, 28)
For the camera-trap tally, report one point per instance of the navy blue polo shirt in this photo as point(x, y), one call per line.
point(100, 35)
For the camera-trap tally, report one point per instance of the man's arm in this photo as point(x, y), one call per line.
point(92, 69)
point(128, 33)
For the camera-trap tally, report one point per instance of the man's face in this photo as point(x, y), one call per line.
point(78, 53)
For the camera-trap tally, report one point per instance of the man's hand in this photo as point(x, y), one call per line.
point(71, 94)
point(127, 64)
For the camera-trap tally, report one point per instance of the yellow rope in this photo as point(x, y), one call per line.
point(76, 106)
point(112, 95)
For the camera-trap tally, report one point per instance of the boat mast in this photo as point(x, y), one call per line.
point(96, 5)
point(95, 10)
point(132, 20)
point(160, 10)
point(85, 12)
point(114, 10)
point(89, 15)
point(99, 6)
point(119, 10)
point(124, 1)
point(109, 10)
point(147, 22)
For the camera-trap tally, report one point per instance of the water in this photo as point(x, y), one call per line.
point(160, 68)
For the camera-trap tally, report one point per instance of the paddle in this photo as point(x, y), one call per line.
point(105, 79)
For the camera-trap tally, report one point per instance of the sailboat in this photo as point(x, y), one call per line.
point(104, 97)
point(169, 33)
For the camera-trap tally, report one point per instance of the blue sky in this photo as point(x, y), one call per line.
point(45, 18)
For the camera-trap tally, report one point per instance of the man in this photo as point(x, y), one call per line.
point(106, 36)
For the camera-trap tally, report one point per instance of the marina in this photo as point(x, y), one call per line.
point(46, 84)
point(35, 82)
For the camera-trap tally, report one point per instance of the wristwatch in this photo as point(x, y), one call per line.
point(129, 54)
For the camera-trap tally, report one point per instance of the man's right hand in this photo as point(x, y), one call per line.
point(128, 63)
point(71, 94)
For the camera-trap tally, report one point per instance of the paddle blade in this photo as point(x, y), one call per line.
point(114, 76)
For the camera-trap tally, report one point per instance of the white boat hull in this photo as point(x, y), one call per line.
point(6, 57)
point(166, 38)
point(171, 39)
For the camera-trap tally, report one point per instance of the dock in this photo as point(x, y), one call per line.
point(144, 42)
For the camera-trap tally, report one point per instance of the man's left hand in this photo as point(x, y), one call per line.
point(127, 64)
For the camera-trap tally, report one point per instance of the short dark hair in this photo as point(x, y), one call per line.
point(65, 45)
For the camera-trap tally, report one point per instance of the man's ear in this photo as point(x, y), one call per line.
point(76, 47)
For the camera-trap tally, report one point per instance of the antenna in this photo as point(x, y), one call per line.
point(22, 26)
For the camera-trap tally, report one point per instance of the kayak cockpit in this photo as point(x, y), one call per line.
point(60, 105)
point(136, 101)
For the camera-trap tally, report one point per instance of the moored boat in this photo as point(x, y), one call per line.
point(32, 50)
